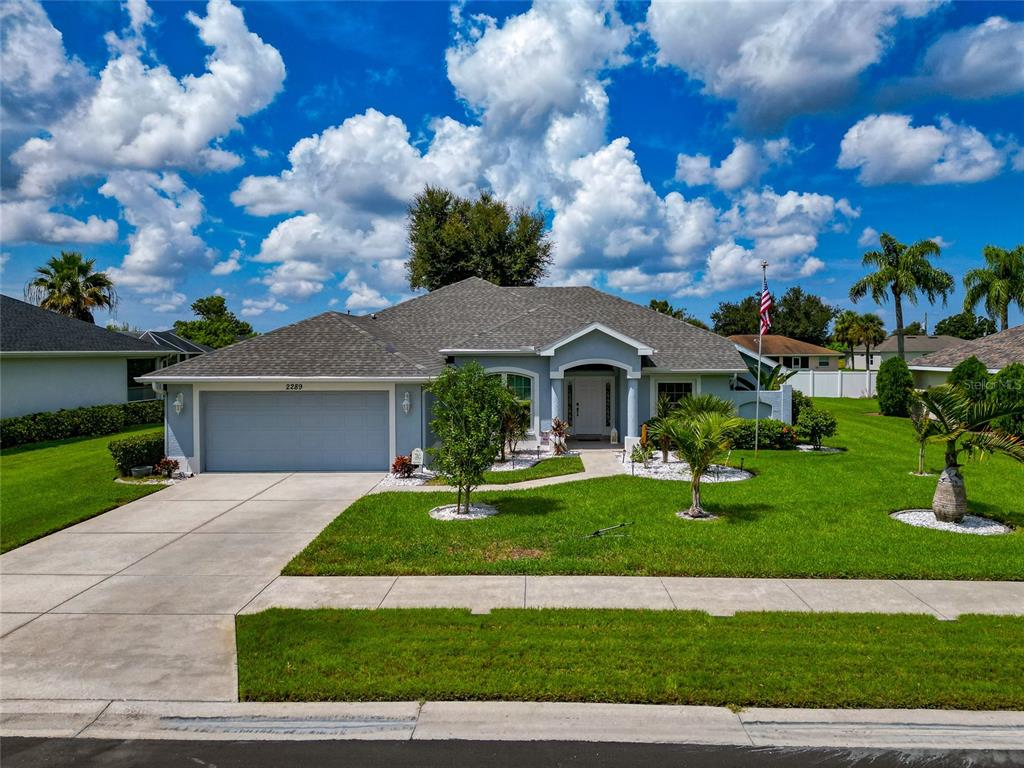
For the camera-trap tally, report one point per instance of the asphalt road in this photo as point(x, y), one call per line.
point(51, 753)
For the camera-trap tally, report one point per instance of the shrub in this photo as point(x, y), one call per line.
point(78, 422)
point(166, 467)
point(1006, 391)
point(815, 425)
point(642, 453)
point(402, 466)
point(774, 435)
point(971, 375)
point(895, 388)
point(143, 450)
point(560, 431)
point(801, 402)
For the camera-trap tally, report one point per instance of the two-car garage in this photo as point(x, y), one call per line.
point(281, 431)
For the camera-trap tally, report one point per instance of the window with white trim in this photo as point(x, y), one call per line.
point(521, 386)
point(674, 390)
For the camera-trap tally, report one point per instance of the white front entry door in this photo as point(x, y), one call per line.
point(589, 396)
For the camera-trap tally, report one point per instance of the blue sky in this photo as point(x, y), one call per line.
point(268, 150)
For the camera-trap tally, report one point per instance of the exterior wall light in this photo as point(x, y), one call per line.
point(179, 403)
point(406, 404)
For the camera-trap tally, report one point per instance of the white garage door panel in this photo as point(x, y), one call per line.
point(295, 431)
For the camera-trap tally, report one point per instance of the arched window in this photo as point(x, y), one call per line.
point(522, 387)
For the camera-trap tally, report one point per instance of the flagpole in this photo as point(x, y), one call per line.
point(760, 334)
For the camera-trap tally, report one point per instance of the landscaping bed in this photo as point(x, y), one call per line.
point(49, 486)
point(796, 518)
point(651, 657)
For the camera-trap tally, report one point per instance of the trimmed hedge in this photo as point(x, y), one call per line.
point(78, 422)
point(895, 387)
point(144, 450)
point(773, 434)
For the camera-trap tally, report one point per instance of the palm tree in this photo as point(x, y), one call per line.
point(699, 440)
point(656, 429)
point(68, 286)
point(999, 284)
point(901, 271)
point(963, 426)
point(924, 429)
point(845, 331)
point(870, 332)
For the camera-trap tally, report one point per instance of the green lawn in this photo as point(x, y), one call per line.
point(553, 467)
point(803, 515)
point(48, 486)
point(660, 657)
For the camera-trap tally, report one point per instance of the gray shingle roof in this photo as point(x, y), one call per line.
point(25, 327)
point(913, 343)
point(996, 351)
point(406, 339)
point(330, 344)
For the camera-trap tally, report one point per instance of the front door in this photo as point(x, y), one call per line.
point(591, 395)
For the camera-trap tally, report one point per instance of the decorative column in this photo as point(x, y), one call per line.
point(632, 416)
point(556, 399)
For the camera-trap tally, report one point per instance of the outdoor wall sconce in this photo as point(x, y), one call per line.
point(179, 403)
point(406, 404)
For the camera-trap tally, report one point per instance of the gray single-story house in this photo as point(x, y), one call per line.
point(996, 351)
point(343, 392)
point(49, 361)
point(914, 346)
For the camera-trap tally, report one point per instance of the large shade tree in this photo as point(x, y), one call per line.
point(999, 284)
point(452, 238)
point(70, 285)
point(216, 326)
point(965, 325)
point(902, 272)
point(804, 316)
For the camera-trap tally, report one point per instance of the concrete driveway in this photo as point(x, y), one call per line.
point(139, 603)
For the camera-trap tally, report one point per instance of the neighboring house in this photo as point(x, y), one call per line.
point(790, 353)
point(343, 392)
point(996, 351)
point(913, 347)
point(49, 362)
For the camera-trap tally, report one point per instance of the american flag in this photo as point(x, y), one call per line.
point(766, 305)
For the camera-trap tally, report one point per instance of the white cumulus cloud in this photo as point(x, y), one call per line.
point(256, 307)
point(888, 149)
point(776, 59)
point(32, 221)
point(742, 167)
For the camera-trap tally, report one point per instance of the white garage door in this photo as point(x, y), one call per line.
point(294, 431)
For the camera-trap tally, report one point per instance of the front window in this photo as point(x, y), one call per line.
point(520, 386)
point(674, 390)
point(823, 362)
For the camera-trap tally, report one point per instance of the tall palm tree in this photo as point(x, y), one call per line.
point(845, 331)
point(999, 284)
point(699, 440)
point(870, 332)
point(69, 285)
point(964, 426)
point(902, 271)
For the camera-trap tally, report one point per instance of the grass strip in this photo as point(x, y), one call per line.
point(553, 467)
point(651, 657)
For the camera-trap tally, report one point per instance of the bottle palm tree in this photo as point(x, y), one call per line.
point(999, 284)
point(963, 426)
point(68, 285)
point(902, 271)
point(699, 440)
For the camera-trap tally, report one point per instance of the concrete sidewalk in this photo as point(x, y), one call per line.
point(516, 721)
point(717, 596)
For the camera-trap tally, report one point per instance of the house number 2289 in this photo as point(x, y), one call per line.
point(294, 387)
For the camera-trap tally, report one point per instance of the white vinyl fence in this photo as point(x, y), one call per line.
point(835, 383)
